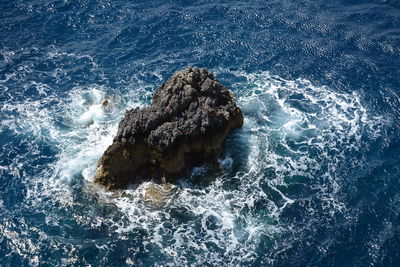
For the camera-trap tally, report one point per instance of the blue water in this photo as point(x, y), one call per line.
point(312, 178)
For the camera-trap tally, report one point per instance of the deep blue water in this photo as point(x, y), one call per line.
point(312, 178)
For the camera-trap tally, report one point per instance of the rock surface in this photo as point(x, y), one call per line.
point(186, 124)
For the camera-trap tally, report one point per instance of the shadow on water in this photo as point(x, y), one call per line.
point(233, 160)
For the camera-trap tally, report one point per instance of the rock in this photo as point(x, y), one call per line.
point(104, 103)
point(156, 194)
point(186, 124)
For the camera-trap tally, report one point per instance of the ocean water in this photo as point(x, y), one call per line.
point(312, 178)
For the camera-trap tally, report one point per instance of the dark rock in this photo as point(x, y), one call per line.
point(185, 125)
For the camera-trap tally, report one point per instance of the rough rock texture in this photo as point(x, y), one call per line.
point(186, 124)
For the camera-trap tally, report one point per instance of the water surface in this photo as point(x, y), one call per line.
point(312, 178)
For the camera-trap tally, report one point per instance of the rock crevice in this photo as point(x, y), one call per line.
point(186, 124)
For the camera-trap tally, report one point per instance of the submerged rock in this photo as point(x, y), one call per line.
point(156, 194)
point(186, 124)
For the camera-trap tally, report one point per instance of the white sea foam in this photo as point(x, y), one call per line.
point(292, 129)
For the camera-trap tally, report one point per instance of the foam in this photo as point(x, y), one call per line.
point(291, 128)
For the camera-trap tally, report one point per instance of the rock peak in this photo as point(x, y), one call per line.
point(186, 124)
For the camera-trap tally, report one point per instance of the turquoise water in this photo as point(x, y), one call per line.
point(312, 178)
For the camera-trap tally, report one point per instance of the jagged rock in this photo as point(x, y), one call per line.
point(186, 124)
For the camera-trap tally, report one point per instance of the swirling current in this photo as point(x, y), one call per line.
point(311, 179)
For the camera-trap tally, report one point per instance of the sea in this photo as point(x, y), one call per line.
point(311, 179)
